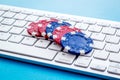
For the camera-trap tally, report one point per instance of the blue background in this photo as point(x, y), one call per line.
point(15, 70)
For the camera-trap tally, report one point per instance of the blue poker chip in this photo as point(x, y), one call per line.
point(77, 43)
point(53, 25)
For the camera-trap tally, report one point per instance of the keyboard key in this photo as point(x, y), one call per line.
point(93, 28)
point(20, 16)
point(42, 43)
point(118, 33)
point(24, 11)
point(25, 33)
point(28, 50)
point(5, 28)
point(15, 10)
point(99, 45)
point(98, 65)
point(116, 25)
point(76, 19)
point(112, 39)
point(31, 18)
point(16, 30)
point(101, 54)
point(1, 12)
point(8, 21)
point(98, 36)
point(1, 19)
point(114, 57)
point(64, 58)
point(89, 21)
point(8, 14)
point(84, 26)
point(102, 23)
point(83, 61)
point(108, 30)
point(15, 38)
point(55, 46)
point(112, 48)
point(114, 64)
point(114, 70)
point(20, 23)
point(29, 41)
point(4, 36)
point(38, 13)
point(81, 26)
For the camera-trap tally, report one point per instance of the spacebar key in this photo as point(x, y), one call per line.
point(27, 50)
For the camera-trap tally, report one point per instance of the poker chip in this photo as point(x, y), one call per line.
point(43, 24)
point(33, 30)
point(53, 25)
point(42, 27)
point(76, 43)
point(60, 31)
point(38, 28)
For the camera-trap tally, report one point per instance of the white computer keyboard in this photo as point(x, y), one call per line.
point(16, 43)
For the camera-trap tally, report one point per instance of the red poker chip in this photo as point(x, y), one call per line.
point(42, 24)
point(60, 31)
point(33, 29)
point(38, 28)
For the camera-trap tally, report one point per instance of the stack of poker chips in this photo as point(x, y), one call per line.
point(70, 38)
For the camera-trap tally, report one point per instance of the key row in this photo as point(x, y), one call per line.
point(33, 16)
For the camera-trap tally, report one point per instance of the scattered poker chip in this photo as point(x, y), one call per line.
point(77, 43)
point(60, 31)
point(53, 25)
point(33, 30)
